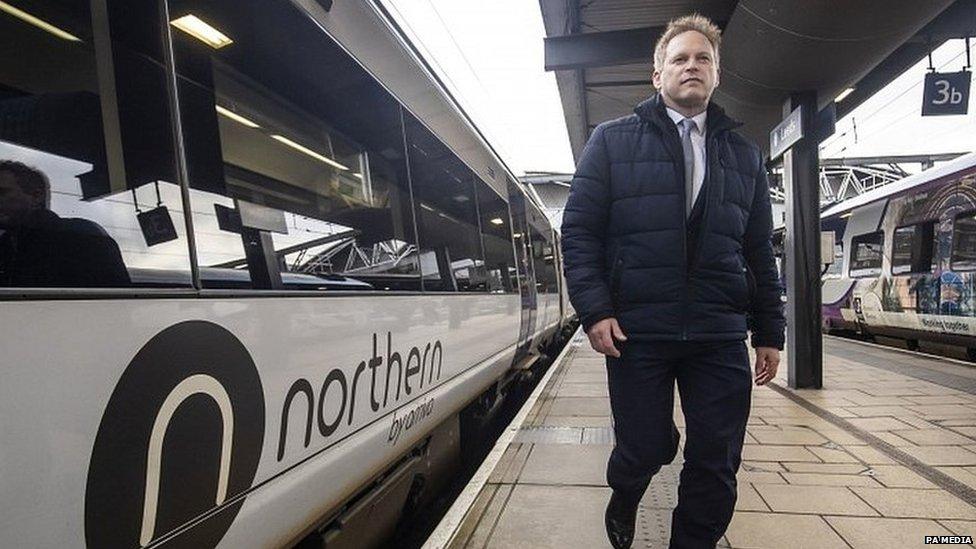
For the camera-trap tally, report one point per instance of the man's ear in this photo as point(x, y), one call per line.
point(656, 79)
point(38, 200)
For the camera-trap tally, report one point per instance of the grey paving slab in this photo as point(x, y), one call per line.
point(566, 464)
point(585, 377)
point(577, 421)
point(580, 406)
point(583, 390)
point(510, 465)
point(557, 517)
point(489, 518)
point(468, 530)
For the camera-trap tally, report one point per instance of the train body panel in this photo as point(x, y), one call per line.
point(336, 409)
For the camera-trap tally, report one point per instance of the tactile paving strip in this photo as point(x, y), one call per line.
point(654, 512)
point(653, 527)
point(549, 434)
point(554, 434)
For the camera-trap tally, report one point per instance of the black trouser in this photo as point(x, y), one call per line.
point(715, 383)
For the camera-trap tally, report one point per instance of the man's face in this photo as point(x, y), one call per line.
point(15, 204)
point(689, 75)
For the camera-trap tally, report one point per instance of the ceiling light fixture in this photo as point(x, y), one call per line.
point(308, 151)
point(843, 94)
point(202, 31)
point(236, 117)
point(39, 23)
point(497, 221)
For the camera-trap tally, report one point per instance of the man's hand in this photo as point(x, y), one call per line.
point(602, 335)
point(767, 362)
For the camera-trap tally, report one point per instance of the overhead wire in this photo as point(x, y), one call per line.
point(864, 118)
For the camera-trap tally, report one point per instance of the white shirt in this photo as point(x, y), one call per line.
point(697, 143)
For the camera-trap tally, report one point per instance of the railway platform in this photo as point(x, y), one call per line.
point(882, 456)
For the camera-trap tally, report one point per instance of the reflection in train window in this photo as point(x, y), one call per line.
point(964, 242)
point(295, 155)
point(912, 248)
point(86, 155)
point(543, 257)
point(866, 254)
point(496, 234)
point(451, 258)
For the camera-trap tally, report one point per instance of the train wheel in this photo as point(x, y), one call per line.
point(912, 344)
point(971, 353)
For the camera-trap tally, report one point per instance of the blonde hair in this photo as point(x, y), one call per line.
point(693, 22)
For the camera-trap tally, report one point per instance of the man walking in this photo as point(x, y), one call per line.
point(667, 250)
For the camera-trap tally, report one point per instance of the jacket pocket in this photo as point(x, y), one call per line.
point(750, 285)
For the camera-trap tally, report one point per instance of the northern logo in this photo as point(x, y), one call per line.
point(182, 434)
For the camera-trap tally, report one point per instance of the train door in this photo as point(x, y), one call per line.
point(539, 250)
point(526, 273)
point(560, 279)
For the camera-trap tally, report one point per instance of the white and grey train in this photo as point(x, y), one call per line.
point(257, 267)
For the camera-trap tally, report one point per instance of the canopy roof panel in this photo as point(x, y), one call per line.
point(601, 52)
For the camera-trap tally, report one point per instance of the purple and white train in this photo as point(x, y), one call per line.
point(905, 259)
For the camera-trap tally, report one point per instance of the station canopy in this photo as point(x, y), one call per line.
point(601, 52)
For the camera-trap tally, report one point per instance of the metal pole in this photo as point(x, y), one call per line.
point(801, 174)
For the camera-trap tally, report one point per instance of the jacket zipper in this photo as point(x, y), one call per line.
point(687, 266)
point(691, 261)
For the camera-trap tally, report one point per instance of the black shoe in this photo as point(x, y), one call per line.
point(620, 519)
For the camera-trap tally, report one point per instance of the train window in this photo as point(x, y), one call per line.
point(836, 269)
point(912, 248)
point(543, 256)
point(445, 206)
point(964, 242)
point(866, 254)
point(295, 155)
point(87, 193)
point(549, 258)
point(496, 233)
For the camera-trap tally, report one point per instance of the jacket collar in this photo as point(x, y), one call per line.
point(653, 110)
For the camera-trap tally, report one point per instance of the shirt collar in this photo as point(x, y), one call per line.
point(698, 119)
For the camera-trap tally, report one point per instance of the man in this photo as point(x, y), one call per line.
point(667, 249)
point(39, 249)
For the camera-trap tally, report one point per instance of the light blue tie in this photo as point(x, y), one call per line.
point(689, 153)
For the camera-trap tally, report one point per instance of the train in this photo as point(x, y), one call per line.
point(262, 277)
point(905, 259)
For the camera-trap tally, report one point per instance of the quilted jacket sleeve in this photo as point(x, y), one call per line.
point(766, 315)
point(584, 233)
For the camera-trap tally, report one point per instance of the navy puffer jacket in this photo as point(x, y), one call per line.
point(630, 252)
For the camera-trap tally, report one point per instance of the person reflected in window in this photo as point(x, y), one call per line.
point(40, 249)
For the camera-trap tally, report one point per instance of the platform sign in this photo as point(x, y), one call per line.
point(784, 135)
point(946, 93)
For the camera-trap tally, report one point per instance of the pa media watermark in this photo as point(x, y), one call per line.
point(948, 540)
